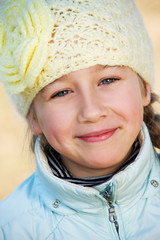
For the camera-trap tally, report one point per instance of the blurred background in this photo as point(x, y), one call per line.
point(16, 159)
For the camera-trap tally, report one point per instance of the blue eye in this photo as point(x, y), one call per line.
point(108, 81)
point(61, 93)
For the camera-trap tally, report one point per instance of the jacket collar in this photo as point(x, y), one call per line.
point(135, 182)
point(129, 185)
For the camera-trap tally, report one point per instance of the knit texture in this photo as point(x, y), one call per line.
point(41, 41)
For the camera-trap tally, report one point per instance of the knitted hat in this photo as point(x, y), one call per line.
point(41, 40)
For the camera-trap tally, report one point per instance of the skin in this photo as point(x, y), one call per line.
point(91, 117)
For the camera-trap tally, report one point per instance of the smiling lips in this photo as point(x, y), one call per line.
point(98, 136)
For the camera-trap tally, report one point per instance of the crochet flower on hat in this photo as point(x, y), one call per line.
point(24, 37)
point(42, 40)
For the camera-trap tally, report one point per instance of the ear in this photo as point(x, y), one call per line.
point(147, 96)
point(33, 122)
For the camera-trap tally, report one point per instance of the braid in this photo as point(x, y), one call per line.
point(152, 121)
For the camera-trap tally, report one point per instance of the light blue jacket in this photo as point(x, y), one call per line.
point(45, 207)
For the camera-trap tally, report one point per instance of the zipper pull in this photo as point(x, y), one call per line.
point(113, 218)
point(112, 214)
point(107, 194)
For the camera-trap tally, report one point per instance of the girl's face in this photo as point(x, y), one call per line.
point(91, 117)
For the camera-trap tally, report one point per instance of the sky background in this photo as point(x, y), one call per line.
point(16, 160)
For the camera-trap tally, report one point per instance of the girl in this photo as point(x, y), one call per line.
point(81, 73)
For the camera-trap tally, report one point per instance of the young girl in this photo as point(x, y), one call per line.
point(81, 73)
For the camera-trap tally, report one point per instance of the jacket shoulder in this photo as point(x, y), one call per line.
point(13, 205)
point(23, 214)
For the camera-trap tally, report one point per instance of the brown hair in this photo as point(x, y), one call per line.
point(152, 121)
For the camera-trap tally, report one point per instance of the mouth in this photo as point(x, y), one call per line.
point(98, 136)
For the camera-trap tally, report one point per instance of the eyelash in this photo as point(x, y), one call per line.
point(61, 93)
point(108, 81)
point(65, 92)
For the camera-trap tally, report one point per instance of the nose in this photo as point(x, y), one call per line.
point(92, 109)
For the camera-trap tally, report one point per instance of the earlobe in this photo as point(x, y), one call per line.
point(33, 122)
point(147, 97)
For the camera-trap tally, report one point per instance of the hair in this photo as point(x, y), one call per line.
point(150, 117)
point(152, 120)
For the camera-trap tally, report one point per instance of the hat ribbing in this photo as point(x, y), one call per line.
point(41, 41)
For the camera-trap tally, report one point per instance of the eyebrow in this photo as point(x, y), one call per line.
point(119, 67)
point(45, 89)
point(64, 77)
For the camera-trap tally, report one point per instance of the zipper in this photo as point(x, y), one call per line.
point(107, 194)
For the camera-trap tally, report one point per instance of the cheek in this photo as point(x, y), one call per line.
point(130, 106)
point(135, 109)
point(57, 124)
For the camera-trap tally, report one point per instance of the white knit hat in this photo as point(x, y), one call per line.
point(41, 41)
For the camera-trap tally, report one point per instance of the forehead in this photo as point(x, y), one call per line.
point(91, 70)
